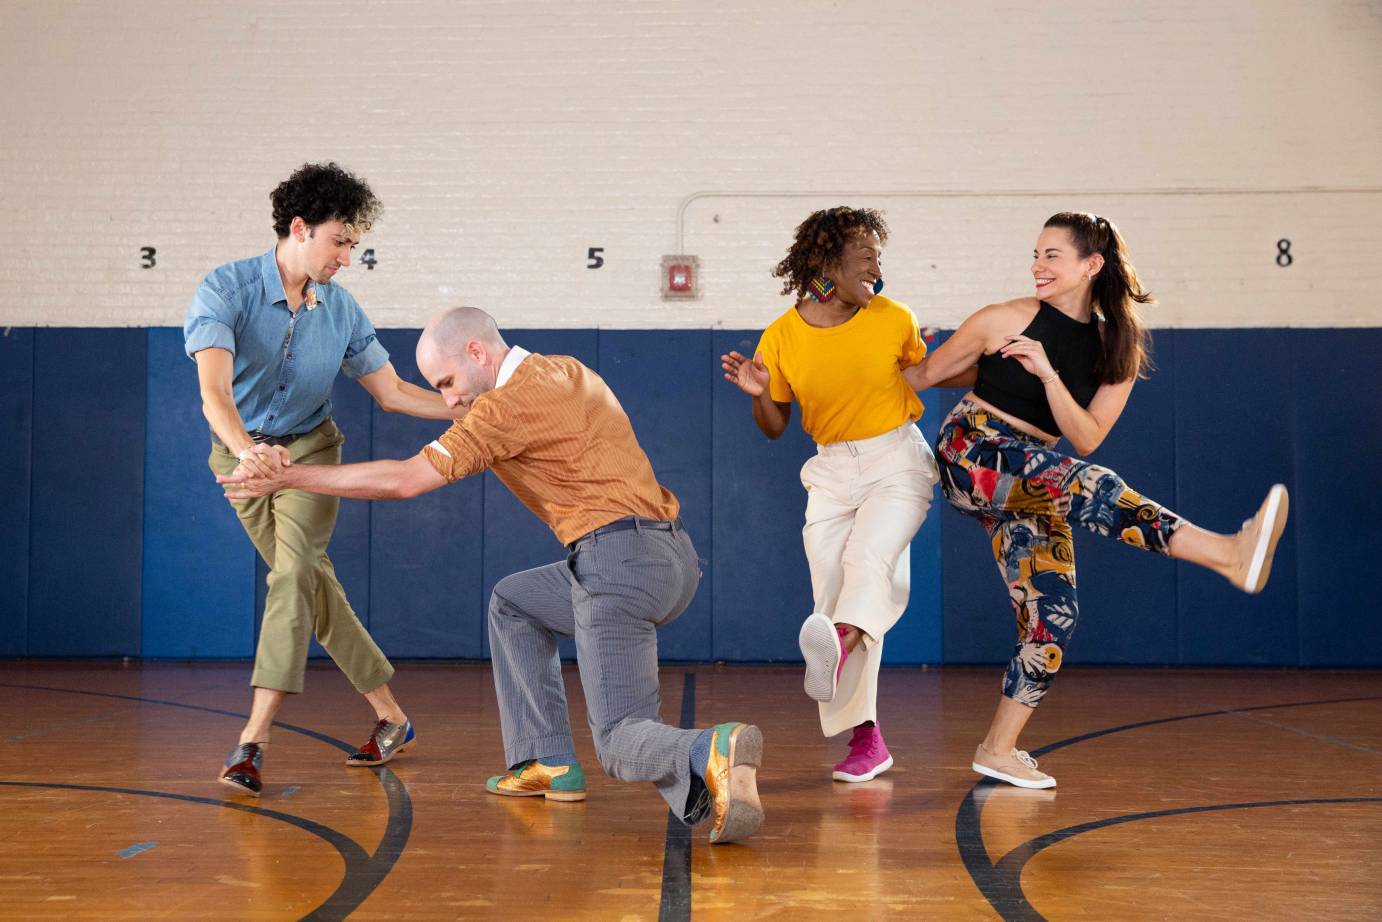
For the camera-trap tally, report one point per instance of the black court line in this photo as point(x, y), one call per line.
point(1010, 866)
point(676, 855)
point(351, 853)
point(1219, 712)
point(1331, 740)
point(361, 878)
point(1004, 891)
point(1013, 862)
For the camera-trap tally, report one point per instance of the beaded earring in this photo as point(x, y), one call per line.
point(822, 289)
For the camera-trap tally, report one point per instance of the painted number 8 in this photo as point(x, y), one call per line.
point(1283, 253)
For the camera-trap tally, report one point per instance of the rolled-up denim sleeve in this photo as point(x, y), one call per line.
point(210, 323)
point(364, 354)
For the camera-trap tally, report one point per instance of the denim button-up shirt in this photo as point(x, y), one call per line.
point(284, 363)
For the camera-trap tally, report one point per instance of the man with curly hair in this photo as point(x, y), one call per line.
point(268, 335)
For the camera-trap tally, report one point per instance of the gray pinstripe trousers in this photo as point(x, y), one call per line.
point(612, 593)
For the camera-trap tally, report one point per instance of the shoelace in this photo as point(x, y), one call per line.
point(1025, 759)
point(246, 752)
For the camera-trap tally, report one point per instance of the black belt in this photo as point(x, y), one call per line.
point(627, 523)
point(260, 438)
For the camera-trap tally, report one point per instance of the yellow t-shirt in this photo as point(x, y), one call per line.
point(847, 378)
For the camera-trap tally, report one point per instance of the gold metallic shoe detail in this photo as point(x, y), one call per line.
point(533, 779)
point(731, 780)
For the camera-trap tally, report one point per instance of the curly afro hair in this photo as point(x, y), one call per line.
point(820, 241)
point(319, 192)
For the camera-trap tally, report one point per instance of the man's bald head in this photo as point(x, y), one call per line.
point(451, 330)
point(459, 353)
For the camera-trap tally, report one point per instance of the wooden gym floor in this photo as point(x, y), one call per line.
point(1204, 794)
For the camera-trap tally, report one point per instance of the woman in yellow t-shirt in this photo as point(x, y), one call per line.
point(839, 353)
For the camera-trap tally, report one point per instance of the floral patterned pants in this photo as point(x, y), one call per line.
point(1027, 496)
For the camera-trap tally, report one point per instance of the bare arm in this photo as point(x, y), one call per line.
point(965, 378)
point(1085, 428)
point(214, 369)
point(394, 395)
point(772, 417)
point(751, 376)
point(214, 375)
point(952, 363)
point(369, 480)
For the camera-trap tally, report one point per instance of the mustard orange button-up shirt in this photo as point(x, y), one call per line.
point(555, 434)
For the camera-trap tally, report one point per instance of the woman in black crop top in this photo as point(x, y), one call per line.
point(1059, 365)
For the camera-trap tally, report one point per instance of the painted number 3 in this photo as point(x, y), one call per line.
point(1283, 253)
point(146, 256)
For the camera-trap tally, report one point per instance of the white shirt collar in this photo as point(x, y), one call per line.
point(511, 361)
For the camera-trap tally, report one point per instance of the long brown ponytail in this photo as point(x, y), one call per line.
point(1116, 294)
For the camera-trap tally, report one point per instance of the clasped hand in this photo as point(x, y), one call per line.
point(259, 473)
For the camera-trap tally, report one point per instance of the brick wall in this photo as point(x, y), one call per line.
point(508, 138)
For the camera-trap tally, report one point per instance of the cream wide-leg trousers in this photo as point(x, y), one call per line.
point(865, 501)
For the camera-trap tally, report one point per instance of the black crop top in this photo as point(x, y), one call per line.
point(1073, 349)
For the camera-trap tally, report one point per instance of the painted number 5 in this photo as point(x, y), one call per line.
point(596, 257)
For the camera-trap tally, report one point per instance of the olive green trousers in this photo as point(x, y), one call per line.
point(291, 529)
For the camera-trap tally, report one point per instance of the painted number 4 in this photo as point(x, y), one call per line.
point(367, 259)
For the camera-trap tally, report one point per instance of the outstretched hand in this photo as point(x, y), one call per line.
point(751, 376)
point(241, 484)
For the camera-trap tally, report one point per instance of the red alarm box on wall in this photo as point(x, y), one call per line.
point(680, 278)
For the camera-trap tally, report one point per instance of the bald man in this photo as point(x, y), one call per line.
point(554, 433)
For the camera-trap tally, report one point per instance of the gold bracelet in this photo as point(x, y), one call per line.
point(1054, 376)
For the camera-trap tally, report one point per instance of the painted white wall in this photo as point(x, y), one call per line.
point(506, 138)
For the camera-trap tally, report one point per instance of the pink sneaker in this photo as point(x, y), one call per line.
point(868, 756)
point(840, 632)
